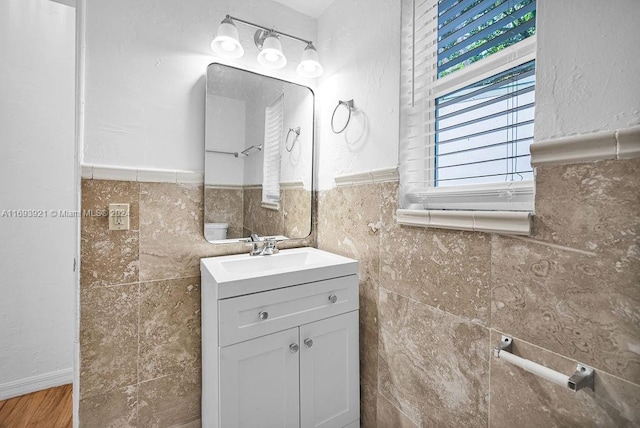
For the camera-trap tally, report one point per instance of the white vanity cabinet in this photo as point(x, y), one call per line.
point(284, 356)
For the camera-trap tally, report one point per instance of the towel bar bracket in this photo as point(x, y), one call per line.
point(506, 344)
point(582, 378)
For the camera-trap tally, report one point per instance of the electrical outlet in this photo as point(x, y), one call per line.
point(119, 216)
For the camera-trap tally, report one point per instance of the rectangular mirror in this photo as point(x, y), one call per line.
point(259, 136)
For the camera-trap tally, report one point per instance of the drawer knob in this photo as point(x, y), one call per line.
point(308, 343)
point(293, 348)
point(333, 298)
point(263, 315)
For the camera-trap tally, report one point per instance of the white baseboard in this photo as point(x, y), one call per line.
point(35, 383)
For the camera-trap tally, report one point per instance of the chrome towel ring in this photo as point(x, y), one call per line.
point(349, 105)
point(296, 131)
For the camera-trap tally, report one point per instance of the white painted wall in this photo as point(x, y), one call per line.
point(146, 62)
point(145, 75)
point(254, 128)
point(226, 121)
point(359, 44)
point(298, 102)
point(588, 68)
point(37, 292)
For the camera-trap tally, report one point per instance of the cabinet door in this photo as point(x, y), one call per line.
point(259, 382)
point(329, 372)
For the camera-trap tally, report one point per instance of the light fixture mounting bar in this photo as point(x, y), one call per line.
point(269, 29)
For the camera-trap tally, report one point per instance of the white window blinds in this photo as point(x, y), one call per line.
point(273, 131)
point(418, 61)
point(464, 121)
point(483, 131)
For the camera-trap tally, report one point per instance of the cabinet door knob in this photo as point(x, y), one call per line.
point(308, 343)
point(293, 348)
point(263, 315)
point(333, 298)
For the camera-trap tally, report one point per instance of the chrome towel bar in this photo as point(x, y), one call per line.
point(582, 378)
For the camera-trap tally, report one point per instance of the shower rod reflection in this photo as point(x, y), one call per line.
point(235, 154)
point(248, 149)
point(245, 152)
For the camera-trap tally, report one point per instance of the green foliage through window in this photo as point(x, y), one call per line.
point(469, 30)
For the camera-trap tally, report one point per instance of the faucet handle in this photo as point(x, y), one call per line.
point(255, 248)
point(270, 247)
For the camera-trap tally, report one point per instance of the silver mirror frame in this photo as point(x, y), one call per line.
point(312, 163)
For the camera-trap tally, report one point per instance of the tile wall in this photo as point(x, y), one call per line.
point(434, 303)
point(140, 305)
point(241, 209)
point(224, 205)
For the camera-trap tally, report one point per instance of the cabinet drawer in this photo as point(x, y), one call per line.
point(243, 318)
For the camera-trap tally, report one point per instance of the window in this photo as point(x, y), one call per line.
point(467, 104)
point(483, 131)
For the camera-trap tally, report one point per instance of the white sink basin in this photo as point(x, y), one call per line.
point(244, 274)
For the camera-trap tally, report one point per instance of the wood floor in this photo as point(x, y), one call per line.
point(50, 408)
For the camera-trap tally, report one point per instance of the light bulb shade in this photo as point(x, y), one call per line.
point(271, 55)
point(227, 41)
point(310, 63)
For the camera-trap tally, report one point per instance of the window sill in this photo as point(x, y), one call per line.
point(505, 222)
point(271, 205)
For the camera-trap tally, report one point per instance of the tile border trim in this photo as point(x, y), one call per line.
point(596, 146)
point(291, 185)
point(504, 222)
point(384, 175)
point(104, 172)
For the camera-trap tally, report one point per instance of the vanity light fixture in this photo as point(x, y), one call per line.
point(227, 44)
point(310, 63)
point(271, 55)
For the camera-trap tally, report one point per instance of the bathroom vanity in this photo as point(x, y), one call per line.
point(280, 340)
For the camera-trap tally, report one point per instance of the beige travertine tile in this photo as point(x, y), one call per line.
point(261, 220)
point(368, 369)
point(114, 409)
point(98, 194)
point(312, 239)
point(442, 268)
point(388, 204)
point(521, 399)
point(348, 221)
point(297, 212)
point(390, 417)
point(445, 269)
point(171, 231)
point(170, 400)
point(346, 216)
point(108, 257)
point(169, 327)
point(581, 306)
point(108, 339)
point(433, 366)
point(193, 424)
point(224, 206)
point(590, 206)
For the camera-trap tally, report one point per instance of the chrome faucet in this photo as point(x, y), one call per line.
point(266, 247)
